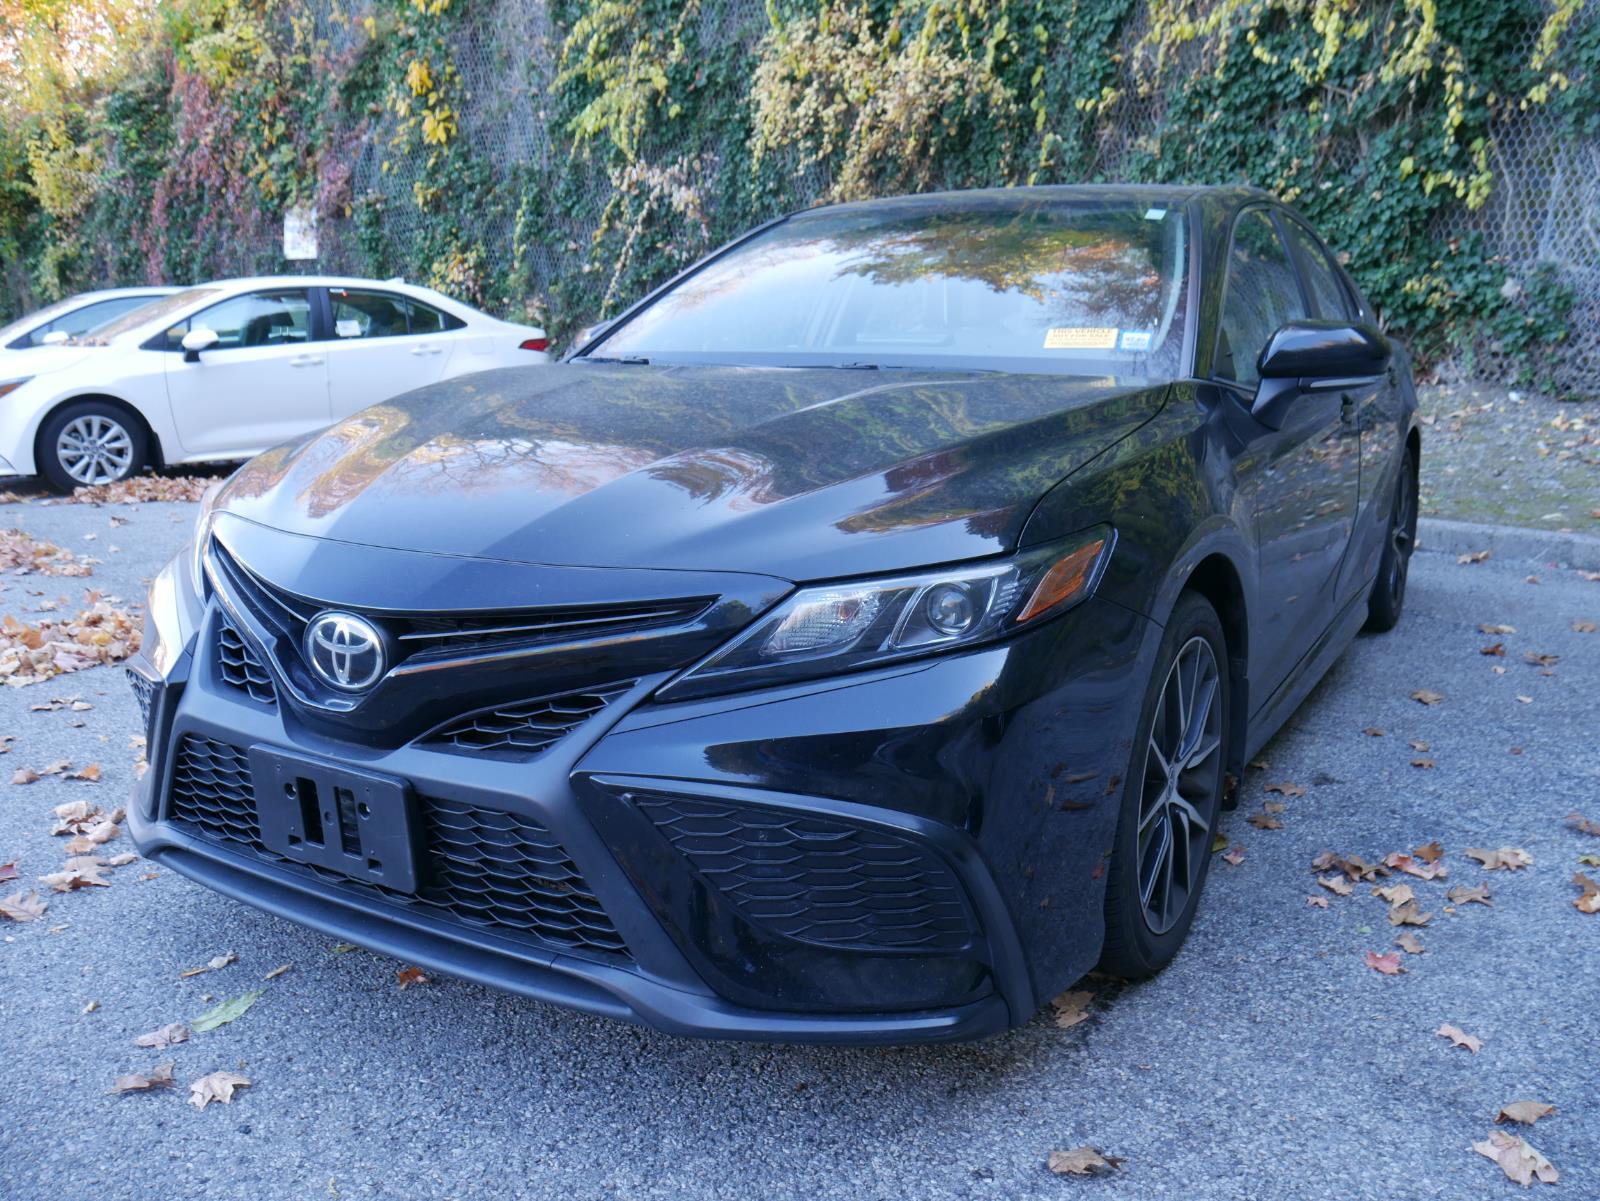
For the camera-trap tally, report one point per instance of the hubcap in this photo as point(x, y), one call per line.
point(1181, 783)
point(95, 449)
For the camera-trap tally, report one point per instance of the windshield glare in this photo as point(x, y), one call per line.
point(1081, 287)
point(142, 316)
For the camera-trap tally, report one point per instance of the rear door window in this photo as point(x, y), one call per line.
point(359, 313)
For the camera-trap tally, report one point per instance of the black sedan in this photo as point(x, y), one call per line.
point(854, 641)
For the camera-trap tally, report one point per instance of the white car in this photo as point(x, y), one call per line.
point(225, 370)
point(72, 317)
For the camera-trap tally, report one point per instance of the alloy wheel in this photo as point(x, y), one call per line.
point(1181, 785)
point(1402, 531)
point(95, 449)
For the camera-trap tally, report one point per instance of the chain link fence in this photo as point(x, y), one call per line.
point(1544, 208)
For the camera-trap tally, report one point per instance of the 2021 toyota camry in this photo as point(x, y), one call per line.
point(852, 642)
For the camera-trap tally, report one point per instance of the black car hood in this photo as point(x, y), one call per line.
point(802, 474)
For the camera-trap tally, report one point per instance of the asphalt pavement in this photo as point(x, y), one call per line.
point(1268, 1062)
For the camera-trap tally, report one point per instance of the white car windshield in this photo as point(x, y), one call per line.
point(39, 317)
point(144, 315)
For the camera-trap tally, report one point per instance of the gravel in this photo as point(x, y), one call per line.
point(1268, 1061)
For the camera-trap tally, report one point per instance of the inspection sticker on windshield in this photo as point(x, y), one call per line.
point(1135, 339)
point(1154, 214)
point(1080, 337)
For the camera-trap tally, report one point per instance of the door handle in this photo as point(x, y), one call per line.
point(422, 350)
point(306, 360)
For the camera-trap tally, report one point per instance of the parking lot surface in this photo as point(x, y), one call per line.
point(1270, 1061)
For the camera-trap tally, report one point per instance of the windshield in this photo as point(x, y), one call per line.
point(1086, 287)
point(143, 315)
point(38, 317)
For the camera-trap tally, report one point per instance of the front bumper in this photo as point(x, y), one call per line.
point(947, 823)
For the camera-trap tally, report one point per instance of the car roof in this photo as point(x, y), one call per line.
point(1002, 199)
point(114, 293)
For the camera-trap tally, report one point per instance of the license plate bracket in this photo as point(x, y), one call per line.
point(354, 822)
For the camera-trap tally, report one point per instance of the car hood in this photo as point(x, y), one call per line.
point(798, 473)
point(40, 360)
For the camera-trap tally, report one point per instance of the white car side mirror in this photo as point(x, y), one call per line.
point(197, 340)
point(54, 338)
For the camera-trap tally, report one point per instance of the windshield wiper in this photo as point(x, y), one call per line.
point(833, 366)
point(629, 360)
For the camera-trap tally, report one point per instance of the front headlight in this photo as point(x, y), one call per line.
point(7, 387)
point(832, 628)
point(202, 535)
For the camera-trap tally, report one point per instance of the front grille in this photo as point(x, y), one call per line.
point(481, 867)
point(817, 878)
point(144, 694)
point(434, 636)
point(239, 668)
point(523, 730)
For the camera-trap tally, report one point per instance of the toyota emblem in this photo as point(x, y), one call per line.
point(345, 651)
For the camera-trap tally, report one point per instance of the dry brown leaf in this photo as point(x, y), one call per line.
point(1539, 659)
point(137, 489)
point(218, 1086)
point(1474, 556)
point(1486, 628)
point(1418, 745)
point(1589, 902)
point(1353, 866)
point(1320, 902)
point(122, 860)
point(1425, 764)
point(1410, 866)
point(1082, 1161)
point(1409, 914)
point(1462, 894)
point(1388, 963)
point(75, 817)
point(1286, 789)
point(23, 906)
point(160, 1077)
point(1234, 857)
point(1409, 943)
point(1517, 1159)
point(8, 871)
point(1494, 648)
point(1525, 1113)
point(1395, 894)
point(1273, 806)
point(1429, 852)
point(1582, 824)
point(80, 872)
point(1507, 858)
point(407, 976)
point(1373, 732)
point(1460, 1038)
point(24, 775)
point(98, 635)
point(277, 971)
point(90, 774)
point(166, 1036)
point(21, 555)
point(1337, 885)
point(99, 833)
point(1264, 821)
point(1070, 1008)
point(217, 962)
point(1584, 626)
point(1427, 696)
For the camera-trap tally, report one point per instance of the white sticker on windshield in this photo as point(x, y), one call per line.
point(1154, 214)
point(1136, 339)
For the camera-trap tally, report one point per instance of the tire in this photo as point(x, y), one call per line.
point(90, 442)
point(1388, 595)
point(1147, 911)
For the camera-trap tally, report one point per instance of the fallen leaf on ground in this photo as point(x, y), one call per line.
point(1463, 894)
point(1234, 857)
point(1273, 806)
point(219, 961)
point(1418, 745)
point(1409, 914)
point(1524, 700)
point(1388, 963)
point(122, 860)
point(98, 635)
point(1336, 884)
point(1429, 852)
point(80, 872)
point(227, 1011)
point(1264, 821)
point(407, 976)
point(1082, 1161)
point(1410, 866)
point(98, 834)
point(1427, 696)
point(1486, 628)
point(160, 1040)
point(160, 1077)
point(75, 816)
point(1589, 902)
point(1582, 824)
point(218, 1086)
point(1517, 1159)
point(1318, 902)
point(1426, 764)
point(1395, 894)
point(1582, 626)
point(1474, 556)
point(1071, 1008)
point(24, 775)
point(1409, 943)
point(137, 489)
point(344, 948)
point(1541, 660)
point(1494, 648)
point(1507, 858)
point(20, 554)
point(277, 971)
point(23, 907)
point(90, 774)
point(1353, 866)
point(8, 871)
point(1284, 788)
point(1525, 1113)
point(1460, 1038)
point(1373, 732)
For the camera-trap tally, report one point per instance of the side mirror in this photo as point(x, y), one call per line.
point(1315, 356)
point(197, 340)
point(54, 338)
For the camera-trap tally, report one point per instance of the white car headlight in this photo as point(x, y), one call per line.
point(202, 535)
point(832, 628)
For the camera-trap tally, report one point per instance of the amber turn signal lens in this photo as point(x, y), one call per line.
point(1063, 581)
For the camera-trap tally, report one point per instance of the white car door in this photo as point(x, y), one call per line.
point(263, 382)
point(384, 344)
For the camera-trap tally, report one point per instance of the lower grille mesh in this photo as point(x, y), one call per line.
point(818, 878)
point(482, 867)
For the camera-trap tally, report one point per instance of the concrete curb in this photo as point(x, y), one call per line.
point(1509, 542)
